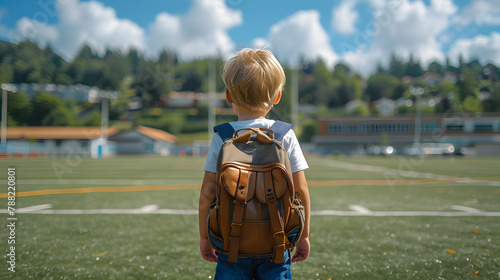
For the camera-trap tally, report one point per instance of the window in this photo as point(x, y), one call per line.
point(351, 128)
point(336, 128)
point(403, 127)
point(482, 127)
point(390, 128)
point(455, 127)
point(364, 128)
point(377, 128)
point(431, 127)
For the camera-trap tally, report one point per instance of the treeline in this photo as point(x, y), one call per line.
point(26, 62)
point(470, 87)
point(475, 88)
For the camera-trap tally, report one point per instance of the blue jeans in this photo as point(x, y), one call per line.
point(248, 269)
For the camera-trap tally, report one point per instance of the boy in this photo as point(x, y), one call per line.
point(253, 80)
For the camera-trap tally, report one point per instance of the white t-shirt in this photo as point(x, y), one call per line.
point(289, 142)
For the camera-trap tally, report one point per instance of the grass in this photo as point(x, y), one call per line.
point(166, 247)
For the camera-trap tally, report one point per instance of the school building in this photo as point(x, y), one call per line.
point(352, 135)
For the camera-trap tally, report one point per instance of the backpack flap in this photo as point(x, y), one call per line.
point(233, 179)
point(272, 179)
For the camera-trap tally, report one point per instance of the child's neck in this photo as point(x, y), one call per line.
point(246, 115)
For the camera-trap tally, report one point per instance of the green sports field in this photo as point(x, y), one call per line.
point(374, 218)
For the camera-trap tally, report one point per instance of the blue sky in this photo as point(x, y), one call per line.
point(361, 33)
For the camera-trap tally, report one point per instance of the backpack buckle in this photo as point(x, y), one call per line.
point(279, 238)
point(236, 229)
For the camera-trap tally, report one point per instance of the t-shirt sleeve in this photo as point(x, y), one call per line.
point(291, 144)
point(213, 153)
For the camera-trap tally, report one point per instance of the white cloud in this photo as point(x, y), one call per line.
point(301, 36)
point(481, 12)
point(260, 43)
point(344, 17)
point(83, 23)
point(201, 32)
point(37, 31)
point(484, 48)
point(404, 28)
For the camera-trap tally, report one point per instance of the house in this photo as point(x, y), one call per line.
point(431, 78)
point(76, 92)
point(351, 105)
point(49, 141)
point(385, 106)
point(144, 140)
point(187, 99)
point(451, 77)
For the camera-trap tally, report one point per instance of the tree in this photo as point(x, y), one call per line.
point(396, 67)
point(492, 104)
point(19, 107)
point(380, 85)
point(49, 110)
point(436, 67)
point(309, 129)
point(467, 83)
point(413, 68)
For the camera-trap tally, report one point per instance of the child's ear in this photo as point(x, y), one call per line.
point(278, 98)
point(228, 97)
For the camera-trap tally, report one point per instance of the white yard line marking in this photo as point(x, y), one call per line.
point(383, 169)
point(360, 209)
point(465, 208)
point(403, 213)
point(392, 174)
point(103, 182)
point(148, 208)
point(33, 208)
point(176, 212)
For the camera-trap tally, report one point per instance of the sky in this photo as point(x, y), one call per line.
point(360, 33)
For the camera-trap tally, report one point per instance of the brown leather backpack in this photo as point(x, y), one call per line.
point(256, 213)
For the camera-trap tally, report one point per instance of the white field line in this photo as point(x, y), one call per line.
point(153, 209)
point(391, 173)
point(382, 169)
point(33, 208)
point(103, 182)
point(148, 208)
point(360, 209)
point(403, 213)
point(465, 208)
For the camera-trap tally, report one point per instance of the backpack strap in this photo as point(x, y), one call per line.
point(237, 222)
point(280, 129)
point(277, 227)
point(225, 131)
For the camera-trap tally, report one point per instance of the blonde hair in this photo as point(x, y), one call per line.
point(253, 78)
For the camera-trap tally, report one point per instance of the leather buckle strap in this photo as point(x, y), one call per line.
point(236, 229)
point(279, 247)
point(279, 238)
point(238, 211)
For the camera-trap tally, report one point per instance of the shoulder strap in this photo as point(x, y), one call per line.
point(280, 129)
point(225, 131)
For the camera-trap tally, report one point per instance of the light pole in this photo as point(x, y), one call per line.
point(105, 95)
point(417, 91)
point(212, 102)
point(5, 88)
point(295, 97)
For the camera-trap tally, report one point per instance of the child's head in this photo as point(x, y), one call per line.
point(253, 78)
